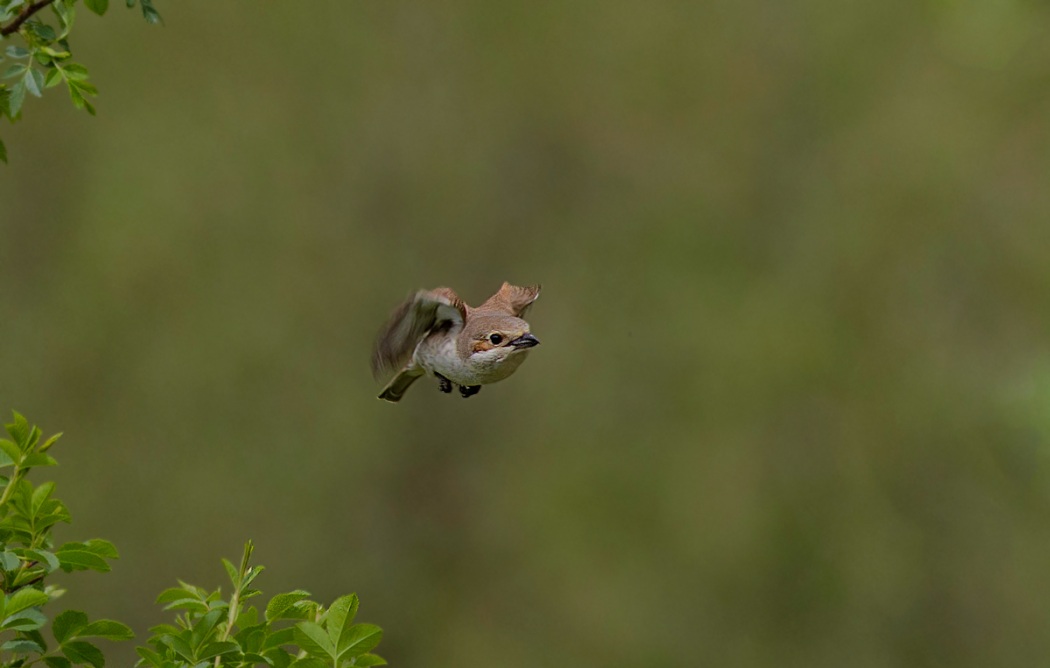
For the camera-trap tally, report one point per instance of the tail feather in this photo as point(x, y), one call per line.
point(395, 389)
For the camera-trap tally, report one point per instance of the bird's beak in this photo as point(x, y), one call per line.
point(525, 341)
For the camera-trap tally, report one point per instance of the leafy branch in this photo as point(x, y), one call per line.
point(44, 59)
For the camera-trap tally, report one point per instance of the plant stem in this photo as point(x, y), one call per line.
point(23, 16)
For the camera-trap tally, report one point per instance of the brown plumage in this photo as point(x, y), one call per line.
point(435, 332)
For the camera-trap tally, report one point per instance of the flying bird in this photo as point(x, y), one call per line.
point(434, 332)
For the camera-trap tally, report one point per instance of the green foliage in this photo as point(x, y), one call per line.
point(43, 58)
point(28, 556)
point(292, 631)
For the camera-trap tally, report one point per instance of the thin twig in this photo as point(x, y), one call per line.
point(23, 16)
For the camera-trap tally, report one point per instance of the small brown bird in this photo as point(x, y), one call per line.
point(435, 332)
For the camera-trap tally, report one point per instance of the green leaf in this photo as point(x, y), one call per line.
point(16, 52)
point(51, 441)
point(150, 656)
point(281, 604)
point(176, 594)
point(80, 651)
point(369, 660)
point(68, 624)
point(34, 82)
point(3, 157)
point(312, 638)
point(360, 638)
point(40, 495)
point(21, 646)
point(278, 638)
point(29, 619)
point(18, 428)
point(231, 571)
point(25, 598)
point(77, 560)
point(179, 646)
point(149, 13)
point(9, 561)
point(57, 662)
point(11, 450)
point(97, 6)
point(214, 649)
point(38, 458)
point(14, 103)
point(102, 548)
point(44, 557)
point(53, 77)
point(108, 629)
point(42, 30)
point(308, 662)
point(341, 616)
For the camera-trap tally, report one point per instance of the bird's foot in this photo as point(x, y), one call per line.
point(469, 390)
point(444, 384)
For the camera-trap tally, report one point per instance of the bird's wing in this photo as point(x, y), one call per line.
point(512, 299)
point(418, 315)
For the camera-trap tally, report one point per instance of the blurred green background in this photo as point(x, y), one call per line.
point(792, 405)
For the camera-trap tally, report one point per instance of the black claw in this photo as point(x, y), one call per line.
point(444, 384)
point(469, 390)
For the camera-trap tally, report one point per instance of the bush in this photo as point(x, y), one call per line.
point(208, 630)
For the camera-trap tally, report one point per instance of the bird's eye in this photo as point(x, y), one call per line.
point(496, 339)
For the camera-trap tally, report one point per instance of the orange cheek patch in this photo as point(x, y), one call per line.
point(483, 345)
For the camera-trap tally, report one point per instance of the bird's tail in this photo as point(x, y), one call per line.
point(395, 389)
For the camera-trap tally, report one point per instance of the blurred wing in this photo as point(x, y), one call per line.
point(418, 315)
point(512, 299)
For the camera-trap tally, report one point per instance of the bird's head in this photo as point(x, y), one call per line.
point(493, 339)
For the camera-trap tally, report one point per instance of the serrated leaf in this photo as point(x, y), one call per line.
point(53, 77)
point(179, 646)
point(278, 638)
point(9, 561)
point(19, 426)
point(312, 638)
point(101, 547)
point(97, 6)
point(231, 571)
point(175, 594)
point(34, 82)
point(44, 557)
point(214, 649)
point(108, 629)
point(72, 560)
point(150, 656)
point(29, 619)
point(14, 103)
point(191, 604)
point(38, 458)
point(21, 646)
point(26, 597)
point(40, 495)
point(81, 651)
point(341, 616)
point(67, 624)
point(358, 639)
point(282, 603)
point(277, 658)
point(10, 450)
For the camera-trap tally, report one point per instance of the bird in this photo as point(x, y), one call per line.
point(434, 332)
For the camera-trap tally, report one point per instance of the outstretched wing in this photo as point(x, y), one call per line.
point(418, 315)
point(512, 299)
